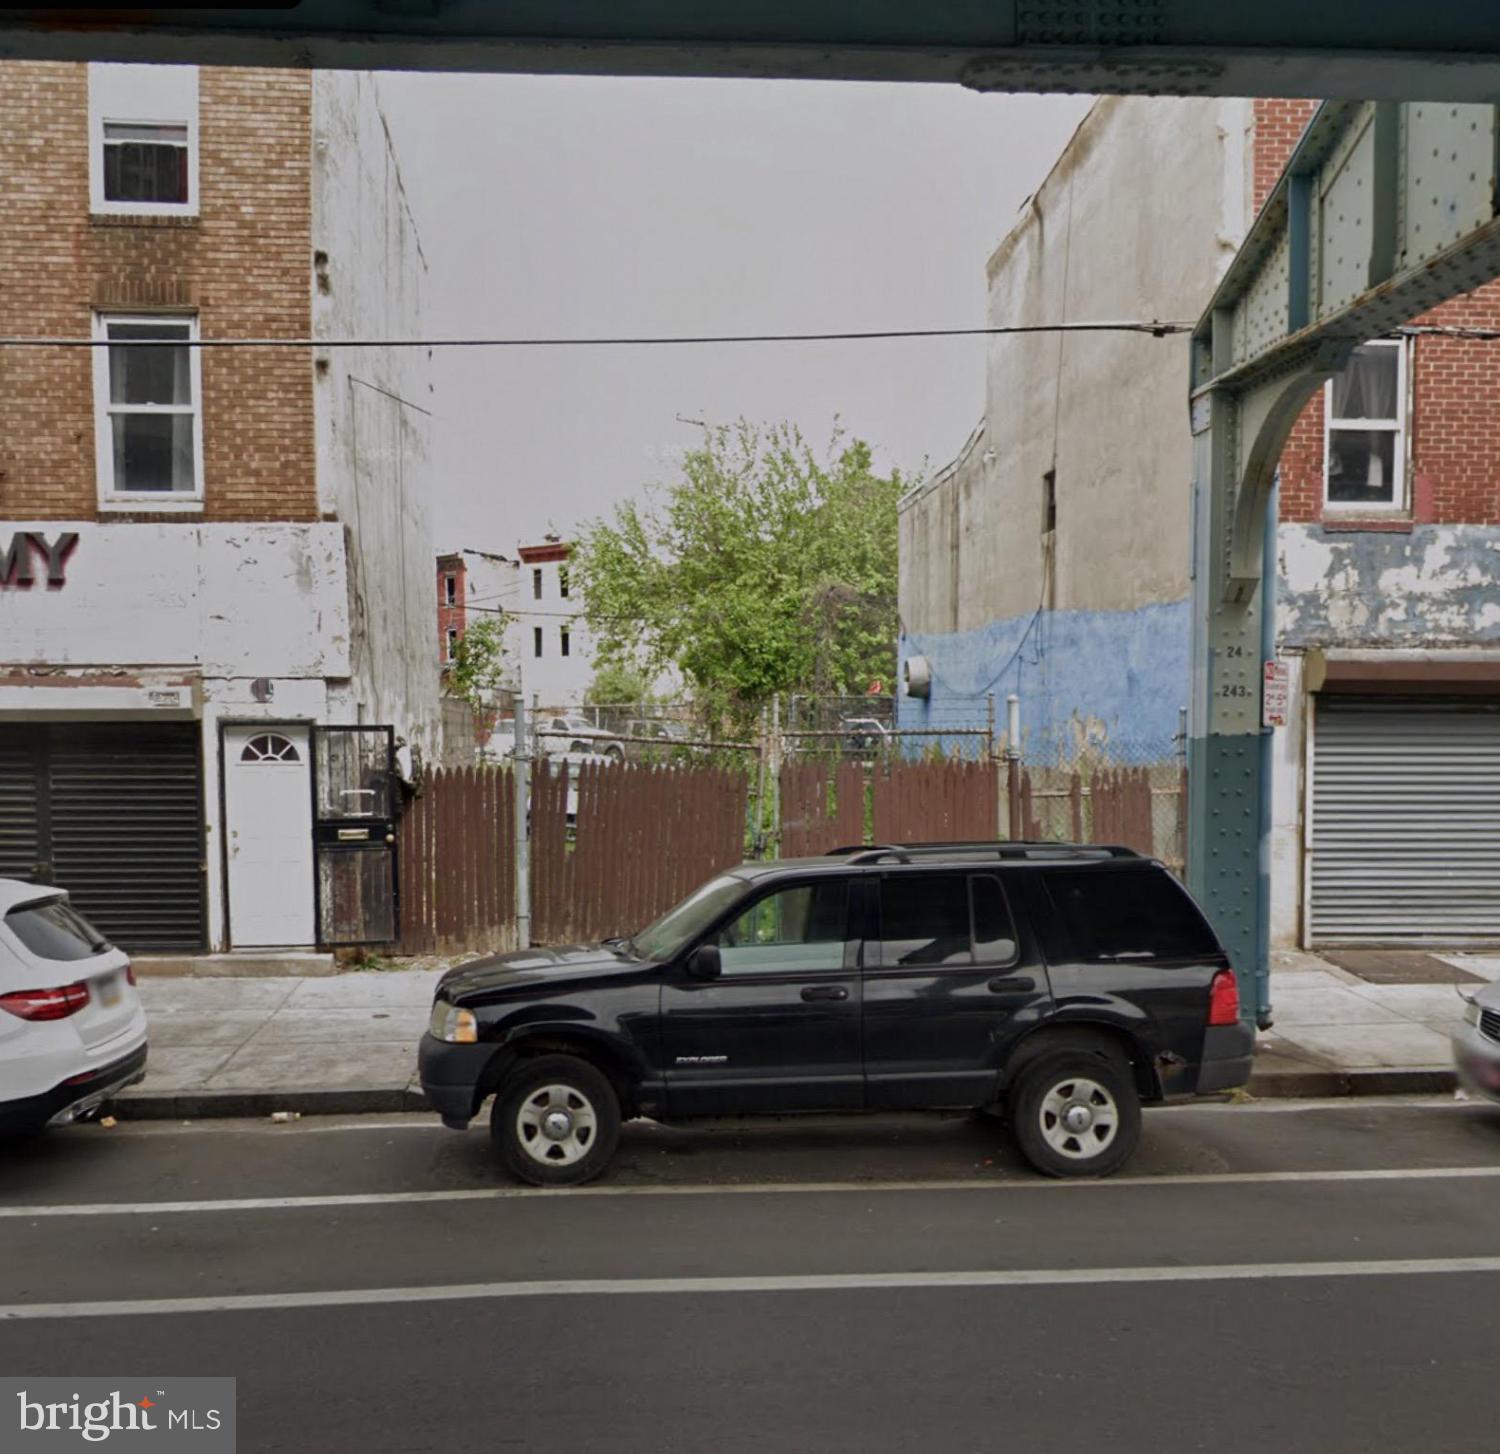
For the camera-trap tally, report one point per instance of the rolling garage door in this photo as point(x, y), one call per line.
point(113, 813)
point(1405, 823)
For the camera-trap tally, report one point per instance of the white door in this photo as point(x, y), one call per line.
point(268, 802)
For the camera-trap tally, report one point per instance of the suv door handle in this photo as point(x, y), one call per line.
point(1012, 984)
point(825, 992)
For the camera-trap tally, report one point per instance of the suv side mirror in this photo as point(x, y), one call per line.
point(705, 962)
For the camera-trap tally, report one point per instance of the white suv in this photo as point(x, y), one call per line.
point(72, 1030)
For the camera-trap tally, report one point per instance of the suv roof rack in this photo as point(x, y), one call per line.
point(1011, 848)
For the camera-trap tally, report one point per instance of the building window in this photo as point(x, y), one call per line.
point(562, 581)
point(1365, 430)
point(536, 640)
point(452, 644)
point(148, 431)
point(450, 590)
point(536, 588)
point(564, 641)
point(270, 747)
point(143, 148)
point(145, 162)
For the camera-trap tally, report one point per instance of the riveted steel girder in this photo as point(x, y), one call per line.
point(1384, 210)
point(1444, 48)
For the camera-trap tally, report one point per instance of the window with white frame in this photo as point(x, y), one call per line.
point(1364, 408)
point(143, 139)
point(450, 590)
point(148, 430)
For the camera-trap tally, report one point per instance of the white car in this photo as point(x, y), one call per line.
point(72, 1030)
point(572, 732)
point(1476, 1044)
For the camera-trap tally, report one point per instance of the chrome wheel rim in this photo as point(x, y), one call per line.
point(1079, 1118)
point(556, 1125)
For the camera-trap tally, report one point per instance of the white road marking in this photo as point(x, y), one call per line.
point(701, 1286)
point(511, 1193)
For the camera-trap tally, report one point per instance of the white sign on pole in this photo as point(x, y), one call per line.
point(1274, 694)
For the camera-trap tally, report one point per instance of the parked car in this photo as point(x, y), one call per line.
point(572, 732)
point(72, 1030)
point(865, 735)
point(501, 743)
point(1476, 1044)
point(1064, 984)
point(665, 739)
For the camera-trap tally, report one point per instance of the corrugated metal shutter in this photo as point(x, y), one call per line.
point(1406, 823)
point(20, 847)
point(112, 812)
point(127, 830)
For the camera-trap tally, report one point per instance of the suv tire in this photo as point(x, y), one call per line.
point(1076, 1113)
point(556, 1121)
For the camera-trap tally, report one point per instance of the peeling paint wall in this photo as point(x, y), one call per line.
point(234, 601)
point(1435, 585)
point(373, 408)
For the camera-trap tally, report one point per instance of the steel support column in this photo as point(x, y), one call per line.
point(1384, 210)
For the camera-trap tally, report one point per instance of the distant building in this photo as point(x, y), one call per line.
point(555, 651)
point(215, 562)
point(1052, 558)
point(472, 586)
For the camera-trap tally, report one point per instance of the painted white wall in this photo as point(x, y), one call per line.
point(232, 600)
point(560, 681)
point(373, 406)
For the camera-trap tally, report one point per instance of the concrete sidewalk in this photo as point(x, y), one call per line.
point(346, 1043)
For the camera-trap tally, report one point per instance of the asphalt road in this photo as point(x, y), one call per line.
point(1287, 1276)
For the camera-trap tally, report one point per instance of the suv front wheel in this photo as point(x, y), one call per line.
point(556, 1121)
point(1076, 1113)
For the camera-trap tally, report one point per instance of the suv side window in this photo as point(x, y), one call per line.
point(930, 919)
point(1131, 914)
point(789, 931)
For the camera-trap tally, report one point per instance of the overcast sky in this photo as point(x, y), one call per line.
point(565, 206)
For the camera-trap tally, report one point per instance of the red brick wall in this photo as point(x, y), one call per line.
point(244, 262)
point(1453, 385)
point(450, 618)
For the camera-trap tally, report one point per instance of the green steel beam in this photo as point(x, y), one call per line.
point(1383, 211)
point(1442, 49)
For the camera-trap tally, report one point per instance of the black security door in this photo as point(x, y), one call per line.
point(354, 834)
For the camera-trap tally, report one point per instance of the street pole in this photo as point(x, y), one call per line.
point(775, 770)
point(522, 760)
point(1013, 755)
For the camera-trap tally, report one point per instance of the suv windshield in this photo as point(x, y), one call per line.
point(53, 930)
point(678, 927)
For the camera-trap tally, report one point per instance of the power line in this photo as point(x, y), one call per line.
point(1155, 328)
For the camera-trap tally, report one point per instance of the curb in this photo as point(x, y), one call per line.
point(1321, 1084)
point(188, 1105)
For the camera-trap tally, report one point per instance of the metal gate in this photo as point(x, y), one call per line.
point(354, 835)
point(112, 812)
point(1405, 823)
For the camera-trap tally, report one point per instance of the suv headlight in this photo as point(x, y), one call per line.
point(453, 1024)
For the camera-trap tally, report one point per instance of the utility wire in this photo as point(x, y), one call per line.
point(1156, 328)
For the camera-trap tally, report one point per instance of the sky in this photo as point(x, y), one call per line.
point(562, 206)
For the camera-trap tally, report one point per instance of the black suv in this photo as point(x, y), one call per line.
point(1065, 984)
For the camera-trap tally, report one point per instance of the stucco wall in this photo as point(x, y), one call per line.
point(373, 406)
point(1114, 233)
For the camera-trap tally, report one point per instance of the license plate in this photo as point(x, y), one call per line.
point(110, 992)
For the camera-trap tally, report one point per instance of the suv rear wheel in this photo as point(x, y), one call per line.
point(1076, 1113)
point(556, 1121)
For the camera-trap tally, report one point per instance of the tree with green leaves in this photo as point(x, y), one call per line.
point(618, 683)
point(478, 667)
point(761, 570)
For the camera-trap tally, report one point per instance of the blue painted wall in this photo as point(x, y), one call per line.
point(1082, 676)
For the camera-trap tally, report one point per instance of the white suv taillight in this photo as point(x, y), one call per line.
point(1224, 999)
point(50, 1004)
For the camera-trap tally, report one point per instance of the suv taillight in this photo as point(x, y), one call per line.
point(130, 974)
point(1224, 999)
point(49, 1004)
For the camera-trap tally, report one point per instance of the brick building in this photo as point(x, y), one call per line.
point(1051, 559)
point(214, 559)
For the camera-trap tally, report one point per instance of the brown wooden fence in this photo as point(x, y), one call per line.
point(1139, 807)
point(822, 807)
point(456, 863)
point(644, 837)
